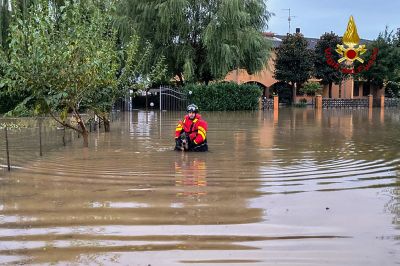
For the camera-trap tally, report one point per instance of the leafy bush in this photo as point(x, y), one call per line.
point(311, 88)
point(302, 103)
point(392, 89)
point(224, 96)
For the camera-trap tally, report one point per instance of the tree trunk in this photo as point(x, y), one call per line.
point(330, 90)
point(180, 79)
point(106, 124)
point(146, 90)
point(84, 131)
point(85, 134)
point(81, 129)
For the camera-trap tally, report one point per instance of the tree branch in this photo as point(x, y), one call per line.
point(64, 124)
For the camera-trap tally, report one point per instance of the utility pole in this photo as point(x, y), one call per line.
point(289, 17)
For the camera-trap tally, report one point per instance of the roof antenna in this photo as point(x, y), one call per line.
point(289, 17)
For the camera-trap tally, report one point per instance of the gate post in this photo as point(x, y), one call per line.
point(318, 101)
point(370, 101)
point(160, 98)
point(276, 102)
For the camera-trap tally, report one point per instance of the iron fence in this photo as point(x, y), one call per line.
point(25, 139)
point(345, 103)
point(267, 103)
point(172, 99)
point(392, 102)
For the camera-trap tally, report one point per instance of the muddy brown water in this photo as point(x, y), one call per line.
point(295, 188)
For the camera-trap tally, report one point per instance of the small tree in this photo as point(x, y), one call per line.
point(311, 88)
point(294, 61)
point(62, 62)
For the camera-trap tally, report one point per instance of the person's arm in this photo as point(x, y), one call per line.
point(178, 129)
point(201, 132)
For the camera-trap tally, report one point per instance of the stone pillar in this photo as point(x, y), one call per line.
point(318, 101)
point(382, 101)
point(276, 117)
point(260, 105)
point(276, 102)
point(370, 101)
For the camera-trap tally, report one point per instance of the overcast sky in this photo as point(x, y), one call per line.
point(315, 17)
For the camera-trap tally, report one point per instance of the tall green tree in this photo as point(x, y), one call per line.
point(202, 40)
point(386, 68)
point(294, 61)
point(323, 71)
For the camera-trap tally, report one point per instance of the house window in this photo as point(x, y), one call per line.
point(356, 91)
point(366, 89)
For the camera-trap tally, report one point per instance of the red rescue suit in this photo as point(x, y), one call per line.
point(196, 129)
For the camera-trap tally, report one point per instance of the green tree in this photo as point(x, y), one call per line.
point(323, 71)
point(133, 77)
point(9, 99)
point(294, 61)
point(385, 69)
point(202, 40)
point(311, 88)
point(61, 67)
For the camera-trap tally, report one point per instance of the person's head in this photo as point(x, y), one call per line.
point(192, 110)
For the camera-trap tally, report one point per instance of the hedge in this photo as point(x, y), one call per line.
point(224, 96)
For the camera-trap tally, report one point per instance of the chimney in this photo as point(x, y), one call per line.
point(297, 30)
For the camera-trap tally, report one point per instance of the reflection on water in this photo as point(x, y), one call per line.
point(298, 187)
point(191, 177)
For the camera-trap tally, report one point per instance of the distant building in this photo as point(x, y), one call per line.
point(265, 79)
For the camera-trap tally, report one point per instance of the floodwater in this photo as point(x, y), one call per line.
point(296, 188)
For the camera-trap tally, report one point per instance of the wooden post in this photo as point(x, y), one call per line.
point(382, 101)
point(7, 150)
point(40, 137)
point(63, 138)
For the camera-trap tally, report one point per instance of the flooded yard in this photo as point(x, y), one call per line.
point(300, 187)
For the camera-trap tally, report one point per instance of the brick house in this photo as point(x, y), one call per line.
point(349, 88)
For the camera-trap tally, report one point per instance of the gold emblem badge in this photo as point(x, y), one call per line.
point(350, 49)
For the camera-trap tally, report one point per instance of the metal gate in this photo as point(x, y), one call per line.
point(172, 99)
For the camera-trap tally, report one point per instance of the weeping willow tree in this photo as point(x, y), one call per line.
point(201, 40)
point(4, 22)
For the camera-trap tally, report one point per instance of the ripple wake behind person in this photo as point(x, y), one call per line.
point(191, 133)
